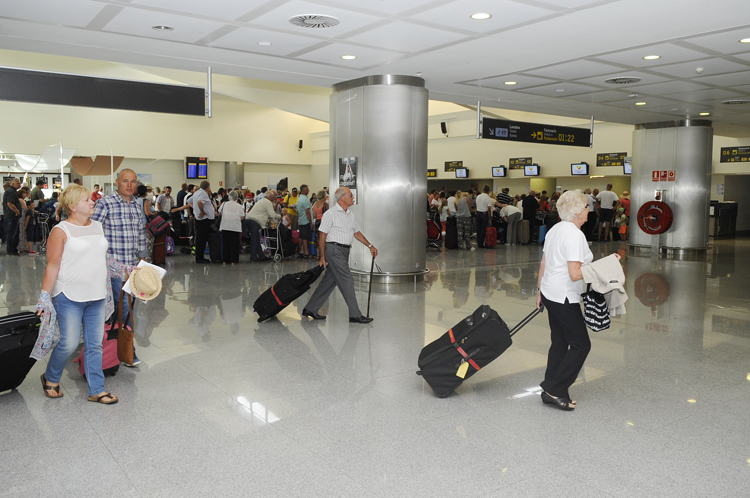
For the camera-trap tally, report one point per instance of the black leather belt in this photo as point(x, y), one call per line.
point(340, 245)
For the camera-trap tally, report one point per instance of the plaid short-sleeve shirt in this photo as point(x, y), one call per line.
point(123, 228)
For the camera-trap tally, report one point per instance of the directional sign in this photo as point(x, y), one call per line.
point(519, 162)
point(450, 166)
point(518, 131)
point(432, 173)
point(611, 159)
point(735, 154)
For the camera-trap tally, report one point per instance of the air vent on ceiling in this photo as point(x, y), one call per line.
point(314, 21)
point(622, 80)
point(736, 102)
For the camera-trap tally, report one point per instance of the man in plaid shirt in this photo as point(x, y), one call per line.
point(123, 227)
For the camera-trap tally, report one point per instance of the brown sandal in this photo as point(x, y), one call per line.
point(48, 389)
point(101, 399)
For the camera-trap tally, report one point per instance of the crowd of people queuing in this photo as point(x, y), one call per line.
point(608, 213)
point(194, 212)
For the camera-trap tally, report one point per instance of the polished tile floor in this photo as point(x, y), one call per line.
point(224, 406)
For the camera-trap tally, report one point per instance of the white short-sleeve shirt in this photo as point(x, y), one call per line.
point(564, 242)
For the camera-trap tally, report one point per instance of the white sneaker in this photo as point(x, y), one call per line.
point(508, 244)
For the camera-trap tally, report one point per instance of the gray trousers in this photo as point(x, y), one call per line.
point(337, 274)
point(512, 236)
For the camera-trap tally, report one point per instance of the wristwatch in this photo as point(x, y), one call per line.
point(370, 246)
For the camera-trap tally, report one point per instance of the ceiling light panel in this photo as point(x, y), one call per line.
point(649, 102)
point(331, 54)
point(226, 9)
point(724, 80)
point(69, 12)
point(644, 77)
point(521, 82)
point(709, 95)
point(457, 14)
point(138, 22)
point(278, 19)
point(724, 43)
point(574, 70)
point(602, 97)
point(246, 39)
point(710, 67)
point(405, 37)
point(669, 54)
point(552, 90)
point(666, 88)
point(387, 7)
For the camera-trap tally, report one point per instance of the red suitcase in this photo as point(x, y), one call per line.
point(490, 239)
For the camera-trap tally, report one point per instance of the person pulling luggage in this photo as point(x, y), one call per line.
point(337, 229)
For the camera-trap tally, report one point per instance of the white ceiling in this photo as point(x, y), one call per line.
point(543, 45)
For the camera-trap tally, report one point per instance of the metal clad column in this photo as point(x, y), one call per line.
point(382, 121)
point(684, 147)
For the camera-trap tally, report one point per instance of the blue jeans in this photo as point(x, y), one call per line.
point(10, 224)
point(71, 315)
point(116, 288)
point(253, 227)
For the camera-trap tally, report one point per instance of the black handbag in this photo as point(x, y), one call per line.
point(595, 310)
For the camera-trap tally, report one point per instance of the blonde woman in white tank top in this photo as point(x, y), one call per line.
point(75, 281)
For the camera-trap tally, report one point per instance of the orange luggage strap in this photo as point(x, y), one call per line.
point(277, 297)
point(461, 350)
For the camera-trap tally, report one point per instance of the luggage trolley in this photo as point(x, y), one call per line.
point(46, 228)
point(278, 242)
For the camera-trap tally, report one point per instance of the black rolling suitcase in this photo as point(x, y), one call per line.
point(451, 233)
point(214, 247)
point(287, 289)
point(471, 344)
point(18, 334)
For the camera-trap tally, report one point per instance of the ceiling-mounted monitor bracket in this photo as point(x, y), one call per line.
point(208, 93)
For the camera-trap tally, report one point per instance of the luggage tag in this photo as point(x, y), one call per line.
point(462, 369)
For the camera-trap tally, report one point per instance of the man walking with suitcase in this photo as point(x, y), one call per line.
point(337, 229)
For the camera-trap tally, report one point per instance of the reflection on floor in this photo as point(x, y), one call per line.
point(223, 406)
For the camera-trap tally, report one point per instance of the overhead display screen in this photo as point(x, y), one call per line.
point(579, 169)
point(627, 168)
point(462, 173)
point(498, 172)
point(532, 170)
point(519, 131)
point(197, 168)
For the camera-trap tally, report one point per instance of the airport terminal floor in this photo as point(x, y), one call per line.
point(224, 406)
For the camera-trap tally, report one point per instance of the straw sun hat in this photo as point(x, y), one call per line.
point(146, 283)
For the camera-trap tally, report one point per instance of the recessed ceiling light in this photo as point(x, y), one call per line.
point(348, 57)
point(640, 103)
point(745, 40)
point(652, 57)
point(511, 83)
point(705, 114)
point(264, 44)
point(560, 90)
point(162, 28)
point(480, 16)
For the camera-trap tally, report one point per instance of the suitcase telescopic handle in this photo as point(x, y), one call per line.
point(526, 320)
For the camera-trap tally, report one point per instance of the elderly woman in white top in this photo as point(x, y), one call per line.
point(232, 213)
point(75, 293)
point(560, 288)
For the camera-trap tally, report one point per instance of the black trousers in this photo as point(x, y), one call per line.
point(202, 232)
point(231, 242)
point(588, 227)
point(569, 349)
point(12, 235)
point(483, 222)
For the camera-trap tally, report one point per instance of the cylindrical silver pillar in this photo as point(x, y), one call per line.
point(234, 175)
point(378, 148)
point(685, 148)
